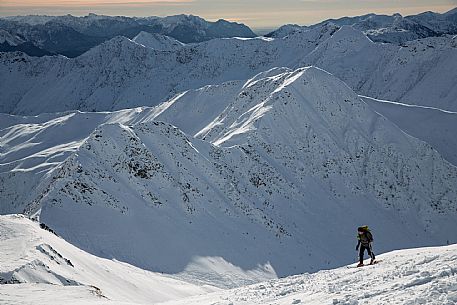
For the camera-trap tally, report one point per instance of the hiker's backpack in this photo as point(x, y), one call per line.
point(367, 232)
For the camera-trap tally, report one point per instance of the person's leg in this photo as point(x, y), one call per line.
point(361, 252)
point(370, 253)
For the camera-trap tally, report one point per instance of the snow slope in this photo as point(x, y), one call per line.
point(157, 41)
point(407, 277)
point(351, 56)
point(293, 153)
point(42, 268)
point(31, 147)
point(38, 267)
point(421, 72)
point(434, 126)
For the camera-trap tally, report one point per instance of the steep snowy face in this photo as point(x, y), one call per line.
point(421, 72)
point(316, 103)
point(157, 41)
point(34, 257)
point(32, 147)
point(172, 196)
point(350, 55)
point(121, 74)
point(294, 153)
point(436, 126)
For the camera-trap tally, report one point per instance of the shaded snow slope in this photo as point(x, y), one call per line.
point(35, 259)
point(406, 277)
point(41, 268)
point(292, 153)
point(432, 125)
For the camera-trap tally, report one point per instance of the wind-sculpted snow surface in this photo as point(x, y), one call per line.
point(295, 158)
point(39, 267)
point(406, 277)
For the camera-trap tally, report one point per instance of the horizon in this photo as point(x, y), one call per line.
point(267, 17)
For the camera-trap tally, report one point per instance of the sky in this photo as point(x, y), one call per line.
point(257, 14)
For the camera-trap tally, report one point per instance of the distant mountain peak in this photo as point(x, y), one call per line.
point(157, 41)
point(350, 35)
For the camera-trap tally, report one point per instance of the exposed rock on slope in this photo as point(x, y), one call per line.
point(296, 151)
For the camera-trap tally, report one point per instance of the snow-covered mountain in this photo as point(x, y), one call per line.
point(121, 74)
point(186, 28)
point(173, 169)
point(71, 36)
point(189, 28)
point(6, 37)
point(422, 72)
point(285, 30)
point(157, 41)
point(13, 43)
point(393, 29)
point(276, 164)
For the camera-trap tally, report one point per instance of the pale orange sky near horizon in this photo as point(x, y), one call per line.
point(255, 13)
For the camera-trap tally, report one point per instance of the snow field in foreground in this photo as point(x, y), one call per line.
point(44, 269)
point(37, 267)
point(409, 277)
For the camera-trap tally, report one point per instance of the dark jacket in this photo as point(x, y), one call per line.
point(365, 239)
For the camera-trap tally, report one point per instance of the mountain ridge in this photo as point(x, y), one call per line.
point(71, 36)
point(395, 28)
point(289, 146)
